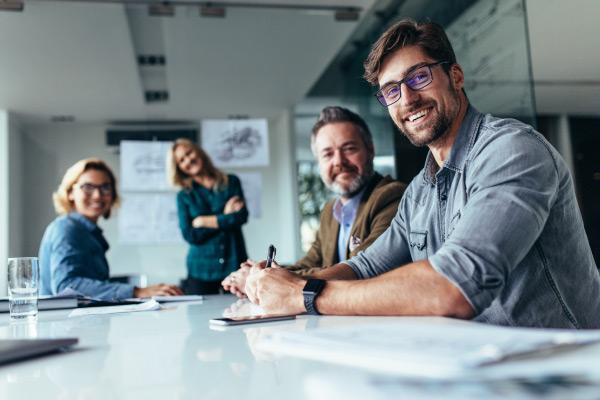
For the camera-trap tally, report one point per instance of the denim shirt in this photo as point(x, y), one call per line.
point(72, 254)
point(501, 222)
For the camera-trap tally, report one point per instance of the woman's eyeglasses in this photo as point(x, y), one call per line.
point(89, 188)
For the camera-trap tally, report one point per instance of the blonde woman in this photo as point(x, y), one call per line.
point(72, 251)
point(211, 211)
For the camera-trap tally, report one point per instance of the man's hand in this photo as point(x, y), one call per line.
point(234, 204)
point(236, 281)
point(162, 289)
point(275, 289)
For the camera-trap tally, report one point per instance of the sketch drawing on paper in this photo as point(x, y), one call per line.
point(236, 143)
point(143, 165)
point(149, 164)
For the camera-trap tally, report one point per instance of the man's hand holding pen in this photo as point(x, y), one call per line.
point(275, 289)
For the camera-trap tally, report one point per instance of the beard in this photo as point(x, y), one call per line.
point(428, 135)
point(356, 185)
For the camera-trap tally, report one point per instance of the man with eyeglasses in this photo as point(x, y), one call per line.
point(489, 230)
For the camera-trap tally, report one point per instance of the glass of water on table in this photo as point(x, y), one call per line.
point(23, 283)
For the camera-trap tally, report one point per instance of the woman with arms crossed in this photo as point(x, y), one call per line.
point(72, 251)
point(211, 211)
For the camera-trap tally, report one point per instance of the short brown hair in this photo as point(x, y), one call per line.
point(428, 36)
point(179, 178)
point(62, 204)
point(331, 115)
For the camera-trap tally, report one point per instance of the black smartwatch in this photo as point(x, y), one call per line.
point(312, 288)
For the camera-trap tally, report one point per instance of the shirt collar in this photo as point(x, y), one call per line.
point(463, 143)
point(351, 204)
point(85, 222)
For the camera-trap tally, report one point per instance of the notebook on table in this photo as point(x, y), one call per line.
point(19, 349)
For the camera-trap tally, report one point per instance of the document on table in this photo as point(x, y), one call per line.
point(145, 306)
point(425, 349)
point(345, 384)
point(169, 299)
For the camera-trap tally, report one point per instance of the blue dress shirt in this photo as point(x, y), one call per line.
point(72, 254)
point(345, 215)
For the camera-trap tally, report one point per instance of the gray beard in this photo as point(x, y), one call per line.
point(357, 184)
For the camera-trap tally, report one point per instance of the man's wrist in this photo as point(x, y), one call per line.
point(312, 289)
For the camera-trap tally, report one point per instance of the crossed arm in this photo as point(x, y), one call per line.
point(414, 289)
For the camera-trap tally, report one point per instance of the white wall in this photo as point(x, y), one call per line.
point(4, 151)
point(51, 148)
point(11, 191)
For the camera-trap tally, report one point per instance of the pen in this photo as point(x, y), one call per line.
point(270, 256)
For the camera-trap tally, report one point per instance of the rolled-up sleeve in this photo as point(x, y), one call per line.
point(240, 217)
point(190, 234)
point(510, 187)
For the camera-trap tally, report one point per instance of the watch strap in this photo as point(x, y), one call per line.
point(310, 295)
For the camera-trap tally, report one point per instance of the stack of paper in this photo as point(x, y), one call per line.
point(424, 349)
point(150, 305)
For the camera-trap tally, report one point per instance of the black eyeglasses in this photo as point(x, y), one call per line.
point(89, 189)
point(415, 80)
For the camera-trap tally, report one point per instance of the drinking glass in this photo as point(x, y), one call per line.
point(23, 282)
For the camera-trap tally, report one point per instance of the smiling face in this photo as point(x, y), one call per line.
point(345, 162)
point(188, 160)
point(427, 116)
point(94, 205)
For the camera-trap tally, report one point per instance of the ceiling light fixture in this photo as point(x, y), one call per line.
point(210, 10)
point(161, 10)
point(347, 15)
point(11, 5)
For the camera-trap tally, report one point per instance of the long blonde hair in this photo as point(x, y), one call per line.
point(177, 177)
point(62, 204)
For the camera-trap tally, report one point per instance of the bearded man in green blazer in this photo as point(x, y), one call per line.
point(367, 201)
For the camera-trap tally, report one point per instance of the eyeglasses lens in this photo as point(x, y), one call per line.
point(419, 78)
point(89, 189)
point(416, 80)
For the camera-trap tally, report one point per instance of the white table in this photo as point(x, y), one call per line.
point(172, 353)
point(168, 354)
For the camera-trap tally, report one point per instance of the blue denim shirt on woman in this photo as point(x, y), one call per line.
point(500, 221)
point(72, 254)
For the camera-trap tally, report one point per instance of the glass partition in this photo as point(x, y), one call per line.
point(491, 44)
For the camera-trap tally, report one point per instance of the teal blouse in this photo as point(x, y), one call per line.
point(214, 253)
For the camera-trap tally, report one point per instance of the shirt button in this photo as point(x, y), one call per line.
point(221, 260)
point(443, 197)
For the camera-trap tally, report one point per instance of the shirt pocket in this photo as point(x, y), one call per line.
point(418, 245)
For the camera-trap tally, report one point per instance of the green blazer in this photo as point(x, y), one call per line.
point(377, 208)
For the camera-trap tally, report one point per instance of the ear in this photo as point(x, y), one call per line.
point(371, 150)
point(70, 196)
point(457, 76)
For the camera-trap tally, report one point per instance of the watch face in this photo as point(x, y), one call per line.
point(313, 286)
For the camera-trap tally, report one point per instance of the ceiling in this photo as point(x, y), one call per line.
point(80, 59)
point(565, 56)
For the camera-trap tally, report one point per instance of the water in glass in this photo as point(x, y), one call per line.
point(23, 302)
